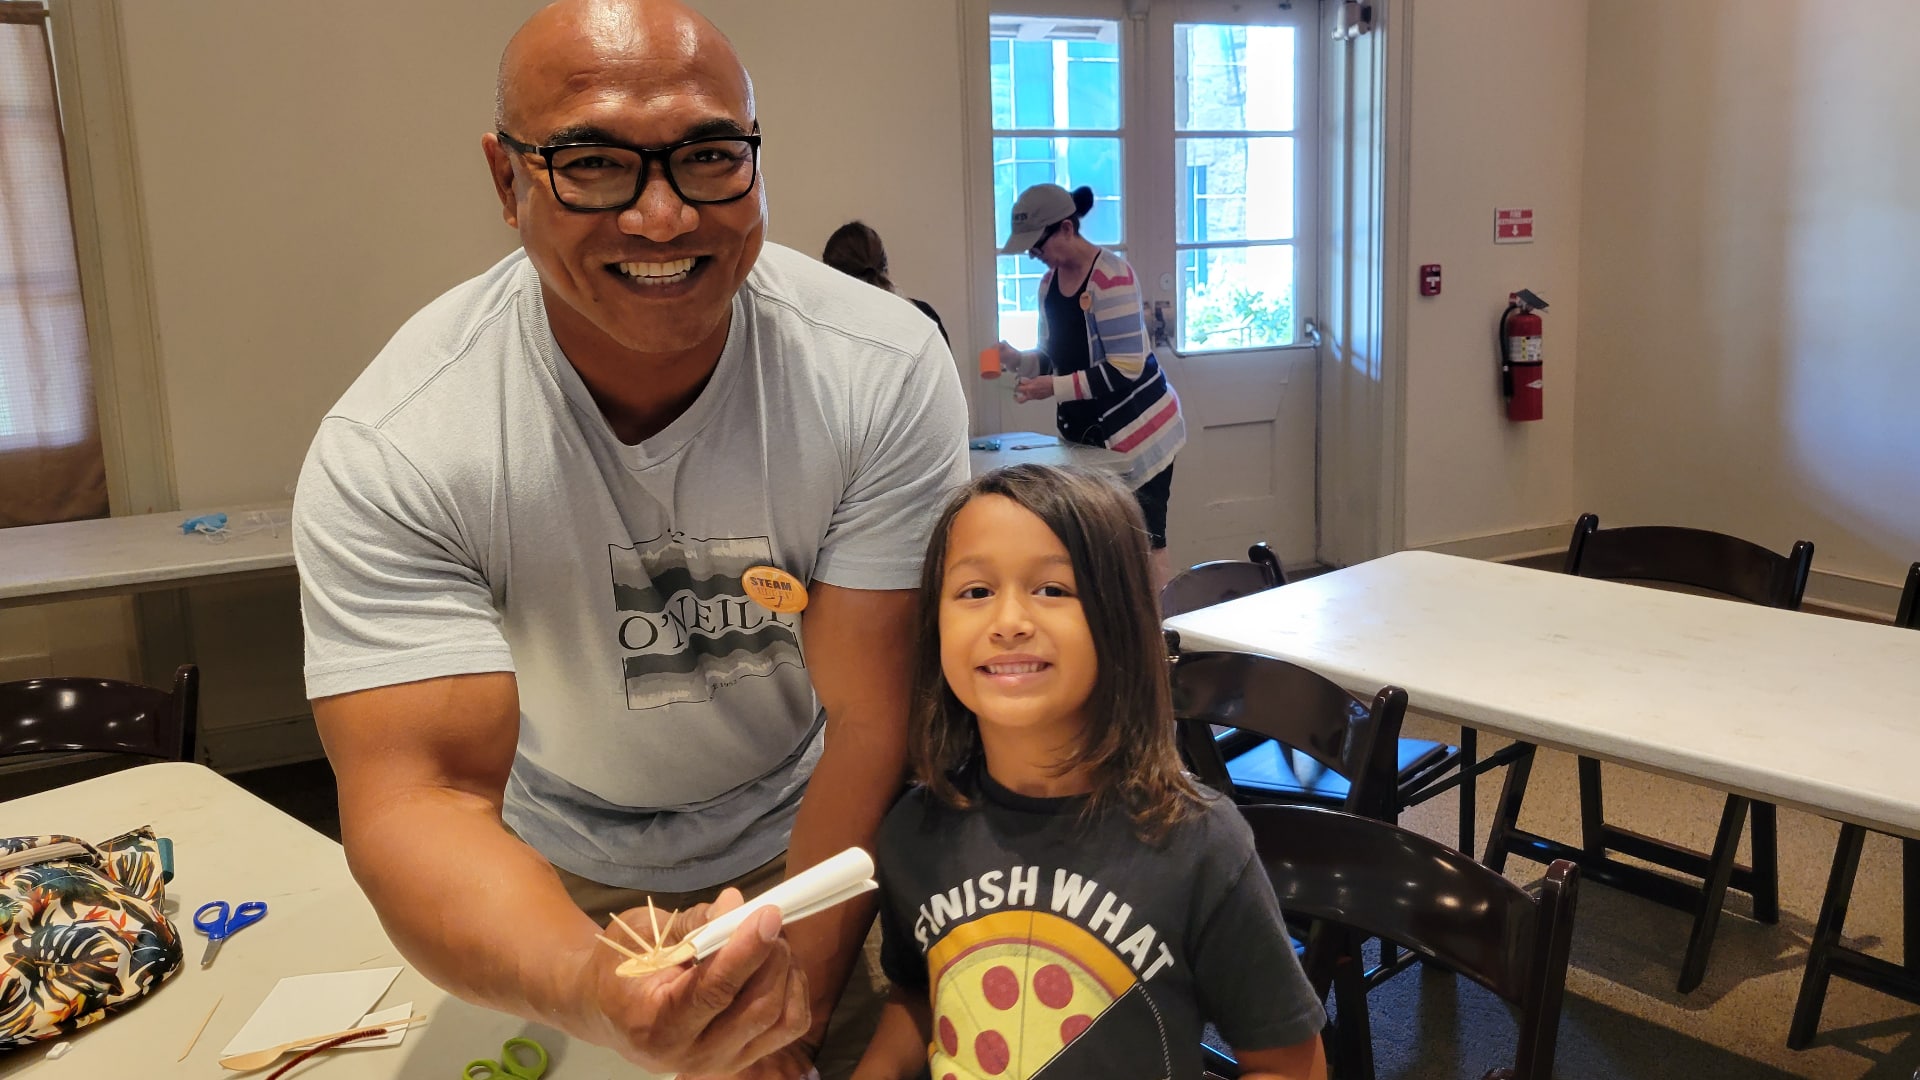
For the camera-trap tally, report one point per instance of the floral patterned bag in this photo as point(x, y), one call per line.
point(81, 931)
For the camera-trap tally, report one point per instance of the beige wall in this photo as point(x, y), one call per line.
point(1749, 276)
point(312, 175)
point(1489, 75)
point(860, 104)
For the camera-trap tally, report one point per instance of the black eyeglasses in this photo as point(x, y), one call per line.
point(1033, 252)
point(592, 177)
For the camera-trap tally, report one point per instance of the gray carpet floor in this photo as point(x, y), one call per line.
point(1623, 1018)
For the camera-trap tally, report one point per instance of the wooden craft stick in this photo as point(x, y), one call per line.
point(260, 1059)
point(203, 1027)
point(654, 918)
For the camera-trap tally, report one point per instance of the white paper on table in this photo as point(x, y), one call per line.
point(304, 1005)
point(375, 1019)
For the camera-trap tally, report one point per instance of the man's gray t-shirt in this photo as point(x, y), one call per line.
point(466, 508)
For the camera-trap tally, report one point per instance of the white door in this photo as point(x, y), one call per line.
point(1193, 126)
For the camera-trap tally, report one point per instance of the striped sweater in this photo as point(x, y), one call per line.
point(1139, 414)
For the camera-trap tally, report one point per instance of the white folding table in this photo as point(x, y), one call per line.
point(229, 845)
point(1798, 709)
point(72, 560)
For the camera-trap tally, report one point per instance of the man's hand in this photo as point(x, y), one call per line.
point(1034, 389)
point(716, 1017)
point(421, 769)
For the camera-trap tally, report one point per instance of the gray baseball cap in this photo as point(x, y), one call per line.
point(1038, 208)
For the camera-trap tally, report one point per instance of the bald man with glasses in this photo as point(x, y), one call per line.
point(522, 537)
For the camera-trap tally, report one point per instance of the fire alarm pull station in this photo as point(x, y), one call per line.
point(1430, 279)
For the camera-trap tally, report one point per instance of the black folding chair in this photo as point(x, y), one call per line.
point(39, 716)
point(1303, 721)
point(1259, 769)
point(1699, 559)
point(1357, 877)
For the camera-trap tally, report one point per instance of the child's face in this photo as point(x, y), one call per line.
point(1014, 641)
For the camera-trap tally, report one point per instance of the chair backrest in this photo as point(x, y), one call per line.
point(1698, 558)
point(39, 716)
point(1375, 879)
point(1907, 615)
point(1359, 740)
point(1221, 580)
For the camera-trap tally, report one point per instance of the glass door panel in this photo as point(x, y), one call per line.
point(1057, 118)
point(1235, 163)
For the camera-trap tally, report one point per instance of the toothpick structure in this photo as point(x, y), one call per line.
point(652, 956)
point(828, 884)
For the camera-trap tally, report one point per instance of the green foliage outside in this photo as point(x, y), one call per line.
point(1236, 317)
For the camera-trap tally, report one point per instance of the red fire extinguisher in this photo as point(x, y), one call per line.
point(1521, 374)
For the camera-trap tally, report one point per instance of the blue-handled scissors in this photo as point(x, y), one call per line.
point(219, 922)
point(509, 1065)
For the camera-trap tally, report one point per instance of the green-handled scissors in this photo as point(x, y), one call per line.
point(509, 1067)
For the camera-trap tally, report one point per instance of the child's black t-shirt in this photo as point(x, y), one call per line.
point(1057, 946)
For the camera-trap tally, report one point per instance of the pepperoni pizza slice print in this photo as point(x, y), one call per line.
point(1013, 989)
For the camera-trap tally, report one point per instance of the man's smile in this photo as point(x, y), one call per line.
point(660, 275)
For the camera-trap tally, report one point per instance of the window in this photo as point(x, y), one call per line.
point(1220, 224)
point(1234, 121)
point(51, 463)
point(1056, 119)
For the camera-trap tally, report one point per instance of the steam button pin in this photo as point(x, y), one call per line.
point(775, 589)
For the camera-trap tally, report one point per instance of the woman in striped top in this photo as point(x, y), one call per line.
point(1094, 359)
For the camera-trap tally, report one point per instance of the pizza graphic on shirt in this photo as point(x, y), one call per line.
point(1014, 989)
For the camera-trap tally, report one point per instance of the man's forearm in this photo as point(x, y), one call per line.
point(512, 940)
point(848, 795)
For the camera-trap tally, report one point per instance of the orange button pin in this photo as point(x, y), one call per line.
point(775, 589)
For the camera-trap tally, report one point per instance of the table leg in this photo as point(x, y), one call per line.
point(1593, 813)
point(1910, 901)
point(1694, 967)
point(1469, 786)
point(1826, 936)
point(1766, 863)
point(1506, 814)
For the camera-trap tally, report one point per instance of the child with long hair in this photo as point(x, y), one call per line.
point(1055, 891)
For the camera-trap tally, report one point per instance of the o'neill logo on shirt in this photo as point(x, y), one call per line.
point(685, 624)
